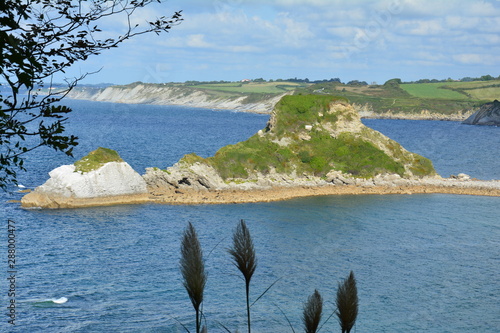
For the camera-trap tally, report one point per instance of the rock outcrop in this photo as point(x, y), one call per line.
point(102, 183)
point(488, 114)
point(309, 141)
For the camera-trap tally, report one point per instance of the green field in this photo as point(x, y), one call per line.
point(432, 90)
point(252, 87)
point(487, 93)
point(446, 98)
point(476, 90)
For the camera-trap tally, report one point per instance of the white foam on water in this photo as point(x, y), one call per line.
point(61, 300)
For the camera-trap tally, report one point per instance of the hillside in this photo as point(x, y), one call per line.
point(449, 99)
point(440, 100)
point(308, 138)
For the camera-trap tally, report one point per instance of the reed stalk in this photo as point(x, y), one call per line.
point(313, 309)
point(243, 254)
point(193, 270)
point(347, 303)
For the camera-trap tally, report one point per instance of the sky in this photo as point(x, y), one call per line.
point(371, 41)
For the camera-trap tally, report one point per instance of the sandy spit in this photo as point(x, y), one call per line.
point(284, 193)
point(195, 197)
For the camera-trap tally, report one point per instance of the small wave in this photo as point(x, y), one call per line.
point(33, 208)
point(50, 301)
point(61, 300)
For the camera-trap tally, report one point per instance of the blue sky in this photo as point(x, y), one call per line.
point(371, 41)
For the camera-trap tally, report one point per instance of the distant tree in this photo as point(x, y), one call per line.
point(357, 83)
point(38, 39)
point(486, 78)
point(395, 81)
point(259, 80)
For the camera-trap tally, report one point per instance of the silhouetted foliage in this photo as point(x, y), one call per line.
point(193, 270)
point(313, 309)
point(244, 258)
point(41, 38)
point(347, 303)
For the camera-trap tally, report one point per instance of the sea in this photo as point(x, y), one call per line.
point(423, 263)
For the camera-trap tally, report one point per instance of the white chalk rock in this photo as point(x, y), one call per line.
point(111, 179)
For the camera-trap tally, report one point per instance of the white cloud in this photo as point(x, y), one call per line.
point(198, 41)
point(421, 27)
point(322, 38)
point(244, 49)
point(343, 32)
point(475, 59)
point(482, 8)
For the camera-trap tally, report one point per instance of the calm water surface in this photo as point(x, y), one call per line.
point(424, 263)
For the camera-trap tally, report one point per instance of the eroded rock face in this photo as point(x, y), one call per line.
point(111, 179)
point(181, 175)
point(164, 95)
point(488, 114)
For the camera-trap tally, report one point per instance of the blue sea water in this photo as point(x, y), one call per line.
point(424, 263)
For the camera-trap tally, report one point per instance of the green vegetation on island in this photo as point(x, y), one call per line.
point(315, 134)
point(95, 159)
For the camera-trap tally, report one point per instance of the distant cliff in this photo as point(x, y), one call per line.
point(139, 93)
point(488, 114)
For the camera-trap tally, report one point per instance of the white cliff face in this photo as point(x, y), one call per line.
point(112, 179)
point(152, 94)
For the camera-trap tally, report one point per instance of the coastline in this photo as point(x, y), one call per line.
point(190, 197)
point(204, 101)
point(143, 94)
point(279, 193)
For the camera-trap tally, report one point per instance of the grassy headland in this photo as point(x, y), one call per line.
point(446, 98)
point(307, 135)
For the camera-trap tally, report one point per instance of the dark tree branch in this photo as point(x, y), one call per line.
point(39, 39)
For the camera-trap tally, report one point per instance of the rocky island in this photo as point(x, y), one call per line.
point(100, 178)
point(312, 145)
